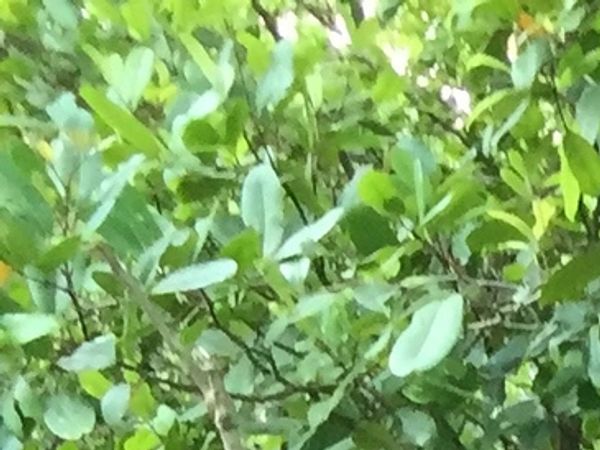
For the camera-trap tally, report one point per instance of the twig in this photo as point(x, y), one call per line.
point(268, 18)
point(76, 303)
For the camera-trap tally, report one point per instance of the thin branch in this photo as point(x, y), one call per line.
point(76, 303)
point(268, 18)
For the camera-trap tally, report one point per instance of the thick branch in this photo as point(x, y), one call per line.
point(199, 367)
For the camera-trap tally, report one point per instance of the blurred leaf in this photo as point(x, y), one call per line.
point(587, 114)
point(278, 78)
point(96, 354)
point(569, 281)
point(294, 245)
point(526, 66)
point(432, 333)
point(262, 206)
point(143, 439)
point(584, 162)
point(114, 404)
point(594, 355)
point(24, 328)
point(122, 121)
point(69, 417)
point(197, 276)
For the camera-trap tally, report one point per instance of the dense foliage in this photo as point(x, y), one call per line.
point(306, 225)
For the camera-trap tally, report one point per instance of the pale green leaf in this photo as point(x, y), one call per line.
point(279, 77)
point(262, 206)
point(114, 404)
point(99, 353)
point(164, 420)
point(528, 63)
point(197, 276)
point(295, 244)
point(69, 417)
point(108, 192)
point(587, 113)
point(432, 333)
point(24, 327)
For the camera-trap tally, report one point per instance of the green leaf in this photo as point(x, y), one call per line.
point(216, 342)
point(312, 304)
point(58, 254)
point(197, 276)
point(143, 439)
point(528, 63)
point(593, 369)
point(417, 426)
point(240, 378)
point(516, 222)
point(94, 383)
point(569, 187)
point(481, 59)
point(374, 296)
point(200, 57)
point(296, 243)
point(42, 289)
point(375, 189)
point(62, 12)
point(108, 192)
point(584, 162)
point(138, 15)
point(142, 403)
point(69, 417)
point(96, 354)
point(587, 113)
point(262, 206)
point(570, 281)
point(114, 404)
point(164, 420)
point(279, 77)
point(24, 328)
point(129, 79)
point(432, 333)
point(122, 121)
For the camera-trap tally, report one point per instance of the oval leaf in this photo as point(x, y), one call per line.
point(94, 355)
point(25, 328)
point(114, 404)
point(69, 417)
point(432, 333)
point(197, 276)
point(262, 205)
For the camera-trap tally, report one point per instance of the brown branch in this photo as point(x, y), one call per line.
point(268, 18)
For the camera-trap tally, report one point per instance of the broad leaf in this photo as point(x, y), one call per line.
point(96, 354)
point(69, 417)
point(584, 162)
point(295, 244)
point(197, 276)
point(527, 65)
point(432, 333)
point(570, 281)
point(588, 114)
point(122, 121)
point(262, 206)
point(279, 77)
point(24, 328)
point(114, 404)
